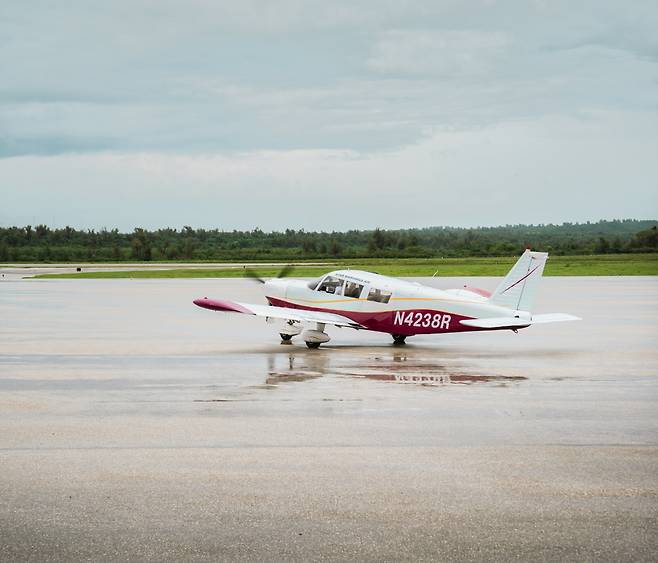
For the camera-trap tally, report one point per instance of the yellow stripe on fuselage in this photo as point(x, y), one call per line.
point(354, 299)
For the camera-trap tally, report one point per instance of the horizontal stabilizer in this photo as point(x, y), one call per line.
point(553, 318)
point(497, 322)
point(514, 322)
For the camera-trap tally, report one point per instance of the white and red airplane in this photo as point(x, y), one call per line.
point(369, 301)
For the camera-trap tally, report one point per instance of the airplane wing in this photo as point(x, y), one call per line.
point(514, 322)
point(269, 311)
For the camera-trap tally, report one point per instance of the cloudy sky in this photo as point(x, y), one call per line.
point(327, 115)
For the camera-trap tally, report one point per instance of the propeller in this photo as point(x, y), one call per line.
point(249, 273)
point(284, 272)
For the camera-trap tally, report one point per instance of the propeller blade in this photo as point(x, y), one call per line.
point(249, 273)
point(285, 271)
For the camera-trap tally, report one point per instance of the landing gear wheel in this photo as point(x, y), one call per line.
point(399, 339)
point(285, 337)
point(313, 345)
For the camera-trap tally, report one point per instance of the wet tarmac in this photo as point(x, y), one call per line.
point(134, 425)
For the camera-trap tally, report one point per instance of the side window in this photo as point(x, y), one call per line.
point(353, 289)
point(331, 284)
point(379, 295)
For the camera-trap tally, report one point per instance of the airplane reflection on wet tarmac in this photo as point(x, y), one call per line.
point(397, 367)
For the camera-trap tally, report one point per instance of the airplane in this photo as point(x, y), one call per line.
point(368, 301)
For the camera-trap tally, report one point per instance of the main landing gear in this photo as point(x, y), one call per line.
point(314, 338)
point(399, 339)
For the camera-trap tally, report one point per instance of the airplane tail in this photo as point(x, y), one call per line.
point(518, 289)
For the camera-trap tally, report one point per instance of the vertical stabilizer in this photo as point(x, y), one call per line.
point(518, 289)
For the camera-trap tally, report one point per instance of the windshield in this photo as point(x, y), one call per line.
point(331, 284)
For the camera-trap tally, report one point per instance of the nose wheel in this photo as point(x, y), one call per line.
point(290, 329)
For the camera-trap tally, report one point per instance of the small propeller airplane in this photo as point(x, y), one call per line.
point(368, 301)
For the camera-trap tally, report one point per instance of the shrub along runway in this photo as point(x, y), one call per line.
point(134, 425)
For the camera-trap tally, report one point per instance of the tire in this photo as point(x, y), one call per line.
point(313, 345)
point(285, 337)
point(399, 339)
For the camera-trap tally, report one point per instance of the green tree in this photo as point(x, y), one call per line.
point(378, 239)
point(603, 246)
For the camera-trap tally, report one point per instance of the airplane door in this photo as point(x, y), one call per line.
point(353, 293)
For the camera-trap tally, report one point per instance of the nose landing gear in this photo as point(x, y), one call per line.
point(313, 338)
point(289, 330)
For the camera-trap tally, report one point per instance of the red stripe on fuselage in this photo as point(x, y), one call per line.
point(384, 321)
point(481, 292)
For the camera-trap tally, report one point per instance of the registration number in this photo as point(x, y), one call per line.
point(422, 320)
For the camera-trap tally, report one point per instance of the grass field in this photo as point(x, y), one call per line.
point(597, 265)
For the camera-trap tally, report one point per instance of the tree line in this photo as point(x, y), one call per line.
point(44, 244)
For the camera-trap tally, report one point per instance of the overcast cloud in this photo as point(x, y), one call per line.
point(327, 115)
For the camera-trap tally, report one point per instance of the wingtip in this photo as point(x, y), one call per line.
point(222, 305)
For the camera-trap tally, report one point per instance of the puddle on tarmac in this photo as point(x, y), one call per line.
point(398, 367)
point(445, 379)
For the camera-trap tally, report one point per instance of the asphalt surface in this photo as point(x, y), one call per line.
point(135, 426)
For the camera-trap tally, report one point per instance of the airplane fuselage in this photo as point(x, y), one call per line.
point(385, 304)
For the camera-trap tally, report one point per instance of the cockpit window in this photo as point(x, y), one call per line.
point(313, 283)
point(353, 289)
point(379, 295)
point(331, 284)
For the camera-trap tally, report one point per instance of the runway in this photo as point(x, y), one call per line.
point(134, 425)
